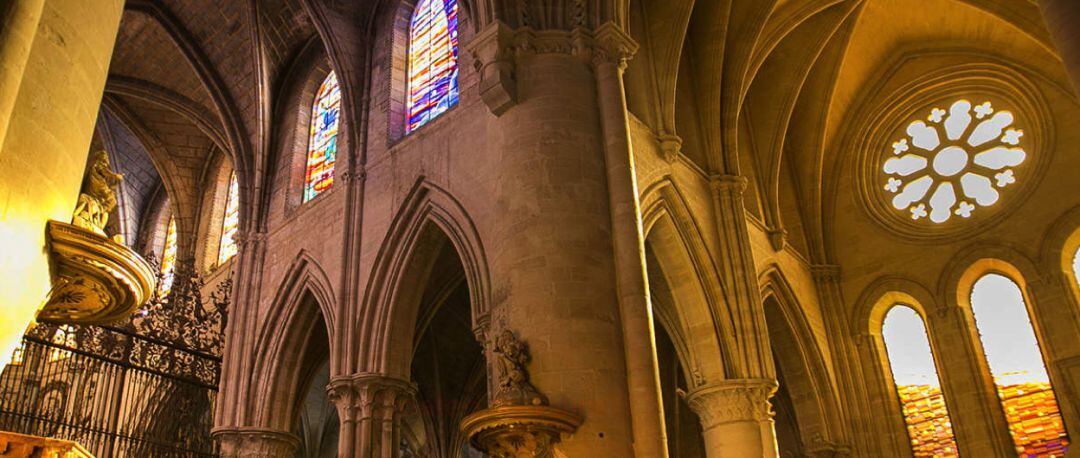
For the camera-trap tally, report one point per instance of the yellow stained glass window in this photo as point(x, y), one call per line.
point(1015, 360)
point(227, 244)
point(168, 258)
point(915, 374)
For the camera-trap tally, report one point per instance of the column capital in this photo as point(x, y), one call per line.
point(723, 182)
point(368, 395)
point(825, 273)
point(612, 44)
point(255, 442)
point(729, 401)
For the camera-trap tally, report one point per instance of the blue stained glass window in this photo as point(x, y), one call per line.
point(433, 66)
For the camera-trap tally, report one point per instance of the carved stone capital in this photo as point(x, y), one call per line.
point(245, 239)
point(731, 401)
point(254, 442)
point(370, 396)
point(727, 184)
point(825, 273)
point(493, 58)
point(612, 44)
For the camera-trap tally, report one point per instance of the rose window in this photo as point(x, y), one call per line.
point(954, 162)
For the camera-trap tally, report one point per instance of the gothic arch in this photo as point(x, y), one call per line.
point(796, 349)
point(697, 321)
point(880, 295)
point(304, 298)
point(428, 217)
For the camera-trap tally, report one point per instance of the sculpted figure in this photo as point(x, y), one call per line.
point(97, 198)
point(514, 387)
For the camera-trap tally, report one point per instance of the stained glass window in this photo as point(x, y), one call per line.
point(168, 258)
point(954, 161)
point(433, 67)
point(322, 145)
point(917, 383)
point(227, 244)
point(1012, 352)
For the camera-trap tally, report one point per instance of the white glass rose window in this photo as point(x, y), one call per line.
point(953, 163)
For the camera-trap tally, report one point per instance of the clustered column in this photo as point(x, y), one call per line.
point(735, 413)
point(370, 407)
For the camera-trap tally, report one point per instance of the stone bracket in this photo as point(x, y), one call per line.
point(493, 59)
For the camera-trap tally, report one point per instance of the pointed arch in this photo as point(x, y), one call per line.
point(698, 321)
point(428, 217)
point(796, 349)
point(304, 298)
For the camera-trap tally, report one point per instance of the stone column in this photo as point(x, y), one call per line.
point(736, 417)
point(1062, 19)
point(753, 357)
point(851, 389)
point(751, 364)
point(632, 286)
point(1054, 316)
point(370, 407)
point(977, 418)
point(551, 249)
point(883, 418)
point(256, 443)
point(54, 59)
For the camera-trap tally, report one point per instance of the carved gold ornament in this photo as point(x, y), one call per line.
point(95, 280)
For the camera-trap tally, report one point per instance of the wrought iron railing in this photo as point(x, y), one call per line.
point(144, 388)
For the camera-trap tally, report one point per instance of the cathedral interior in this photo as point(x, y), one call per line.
point(558, 228)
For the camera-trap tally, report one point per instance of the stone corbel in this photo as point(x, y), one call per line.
point(777, 238)
point(492, 53)
point(670, 147)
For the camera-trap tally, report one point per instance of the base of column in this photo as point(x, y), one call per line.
point(252, 442)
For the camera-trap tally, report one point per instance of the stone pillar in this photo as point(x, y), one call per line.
point(632, 286)
point(883, 418)
point(852, 390)
point(751, 366)
point(256, 443)
point(370, 407)
point(54, 59)
point(551, 249)
point(753, 357)
point(233, 405)
point(977, 418)
point(1062, 19)
point(736, 417)
point(1054, 316)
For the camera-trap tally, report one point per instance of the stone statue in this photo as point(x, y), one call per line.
point(97, 198)
point(514, 388)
